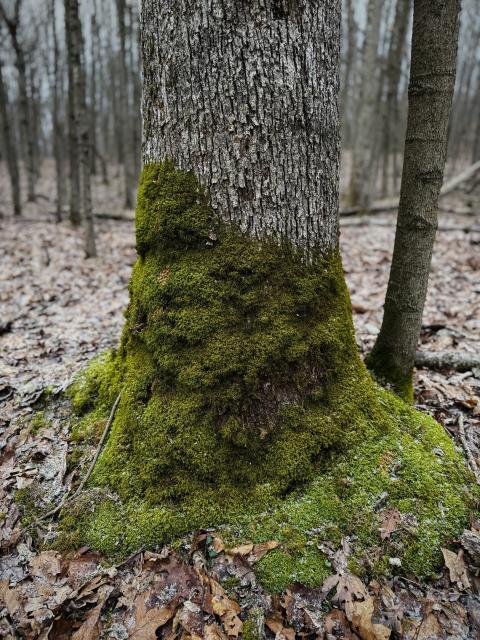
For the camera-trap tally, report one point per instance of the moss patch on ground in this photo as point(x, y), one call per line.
point(244, 403)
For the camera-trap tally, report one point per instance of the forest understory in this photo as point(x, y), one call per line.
point(61, 310)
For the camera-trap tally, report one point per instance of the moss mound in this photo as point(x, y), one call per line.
point(244, 401)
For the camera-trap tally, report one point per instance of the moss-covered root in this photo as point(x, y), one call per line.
point(380, 363)
point(245, 405)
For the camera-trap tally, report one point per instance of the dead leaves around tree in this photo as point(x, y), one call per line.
point(210, 591)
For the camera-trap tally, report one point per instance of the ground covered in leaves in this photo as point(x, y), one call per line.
point(58, 311)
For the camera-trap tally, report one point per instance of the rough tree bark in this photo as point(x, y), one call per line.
point(432, 80)
point(366, 109)
point(58, 137)
point(238, 369)
point(80, 145)
point(393, 74)
point(12, 23)
point(212, 107)
point(126, 128)
point(9, 147)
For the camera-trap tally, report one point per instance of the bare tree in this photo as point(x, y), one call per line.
point(58, 133)
point(9, 146)
point(13, 23)
point(79, 134)
point(366, 109)
point(432, 79)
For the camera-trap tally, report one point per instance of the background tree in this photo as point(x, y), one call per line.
point(432, 80)
point(80, 145)
point(10, 148)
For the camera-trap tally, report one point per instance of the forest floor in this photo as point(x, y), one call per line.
point(59, 310)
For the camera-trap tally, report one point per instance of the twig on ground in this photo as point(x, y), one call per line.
point(472, 463)
point(68, 498)
point(447, 360)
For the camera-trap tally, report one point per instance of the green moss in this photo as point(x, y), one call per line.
point(39, 422)
point(244, 403)
point(253, 625)
point(390, 376)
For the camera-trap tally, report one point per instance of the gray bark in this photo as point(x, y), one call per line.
point(126, 127)
point(245, 95)
point(58, 137)
point(73, 65)
point(393, 74)
point(12, 23)
point(347, 94)
point(432, 79)
point(10, 148)
point(77, 100)
point(360, 192)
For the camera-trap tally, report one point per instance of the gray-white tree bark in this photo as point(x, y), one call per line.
point(432, 80)
point(244, 94)
point(360, 193)
point(13, 22)
point(58, 133)
point(10, 149)
point(79, 137)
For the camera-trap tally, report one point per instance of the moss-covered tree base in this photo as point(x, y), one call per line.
point(244, 405)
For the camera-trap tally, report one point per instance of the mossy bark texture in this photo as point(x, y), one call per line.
point(244, 403)
point(432, 80)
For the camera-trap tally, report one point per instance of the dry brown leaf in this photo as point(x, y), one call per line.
point(360, 615)
point(337, 625)
point(275, 624)
point(428, 628)
point(457, 568)
point(149, 617)
point(253, 552)
point(46, 565)
point(390, 519)
point(226, 609)
point(213, 632)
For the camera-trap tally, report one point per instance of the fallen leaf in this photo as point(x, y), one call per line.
point(457, 568)
point(390, 519)
point(360, 615)
point(275, 624)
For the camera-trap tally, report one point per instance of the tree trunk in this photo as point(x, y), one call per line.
point(213, 107)
point(393, 74)
point(58, 137)
point(127, 130)
point(25, 124)
point(80, 145)
point(432, 79)
point(347, 94)
point(10, 148)
point(238, 370)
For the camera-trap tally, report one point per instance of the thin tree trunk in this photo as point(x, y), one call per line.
point(124, 107)
point(25, 124)
point(393, 74)
point(347, 95)
point(432, 79)
point(80, 138)
point(366, 110)
point(73, 64)
point(10, 149)
point(58, 138)
point(224, 128)
point(93, 91)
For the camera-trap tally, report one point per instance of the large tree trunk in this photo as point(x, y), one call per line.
point(432, 80)
point(269, 158)
point(238, 369)
point(9, 148)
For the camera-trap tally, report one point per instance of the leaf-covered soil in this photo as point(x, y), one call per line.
point(59, 310)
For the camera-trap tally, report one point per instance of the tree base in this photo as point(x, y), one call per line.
point(245, 405)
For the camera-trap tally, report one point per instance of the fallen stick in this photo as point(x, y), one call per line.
point(447, 360)
point(392, 203)
point(472, 463)
point(367, 222)
point(68, 498)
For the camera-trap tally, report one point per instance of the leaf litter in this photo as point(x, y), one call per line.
point(59, 311)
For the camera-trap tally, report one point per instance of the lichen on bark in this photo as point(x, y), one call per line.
point(245, 405)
